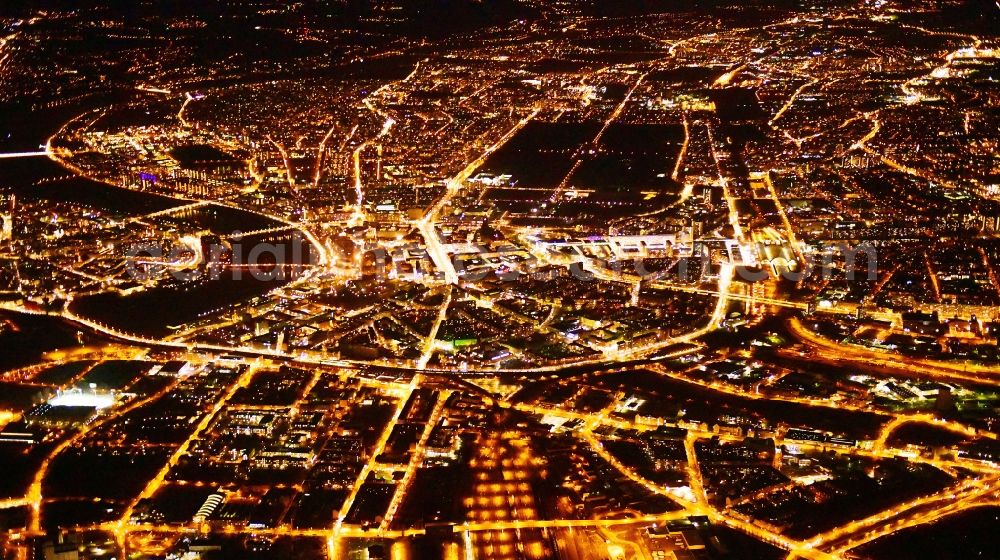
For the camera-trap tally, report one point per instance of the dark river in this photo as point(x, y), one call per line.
point(152, 312)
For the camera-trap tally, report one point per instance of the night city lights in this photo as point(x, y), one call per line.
point(499, 279)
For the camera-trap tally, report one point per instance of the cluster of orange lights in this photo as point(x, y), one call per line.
point(502, 493)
